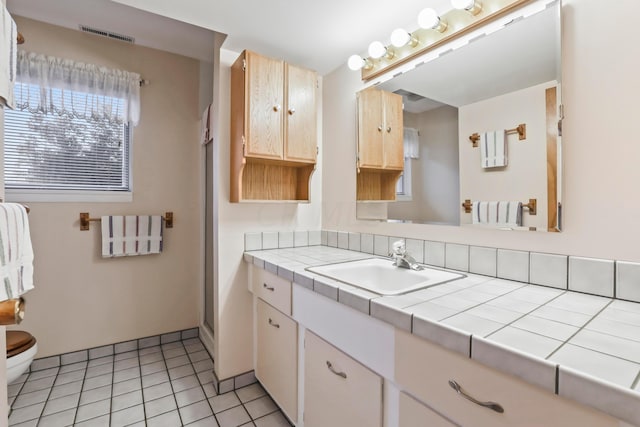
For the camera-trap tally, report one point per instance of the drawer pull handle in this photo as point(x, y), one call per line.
point(340, 374)
point(491, 405)
point(274, 324)
point(269, 288)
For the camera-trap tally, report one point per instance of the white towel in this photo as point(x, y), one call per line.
point(503, 213)
point(16, 252)
point(493, 149)
point(206, 125)
point(8, 57)
point(131, 235)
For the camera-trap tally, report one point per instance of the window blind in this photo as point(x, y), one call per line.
point(58, 150)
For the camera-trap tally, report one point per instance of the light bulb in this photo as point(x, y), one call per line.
point(377, 50)
point(428, 18)
point(472, 6)
point(355, 62)
point(400, 37)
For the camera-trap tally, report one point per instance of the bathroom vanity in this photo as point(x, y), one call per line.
point(334, 354)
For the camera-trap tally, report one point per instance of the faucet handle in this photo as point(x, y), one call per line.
point(398, 247)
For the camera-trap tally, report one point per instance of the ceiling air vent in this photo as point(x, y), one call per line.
point(108, 34)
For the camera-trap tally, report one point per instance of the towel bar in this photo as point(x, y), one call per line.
point(532, 206)
point(85, 219)
point(521, 130)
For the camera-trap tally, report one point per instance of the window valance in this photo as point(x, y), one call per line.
point(66, 87)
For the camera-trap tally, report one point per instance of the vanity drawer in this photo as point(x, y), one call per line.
point(338, 391)
point(272, 289)
point(424, 370)
point(277, 357)
point(415, 414)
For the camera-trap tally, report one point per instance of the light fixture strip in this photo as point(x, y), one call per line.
point(460, 22)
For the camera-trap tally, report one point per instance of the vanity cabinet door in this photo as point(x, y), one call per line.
point(424, 370)
point(300, 142)
point(415, 414)
point(338, 391)
point(277, 357)
point(393, 132)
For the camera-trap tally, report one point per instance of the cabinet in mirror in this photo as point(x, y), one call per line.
point(485, 89)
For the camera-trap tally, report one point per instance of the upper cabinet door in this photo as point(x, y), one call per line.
point(370, 128)
point(393, 132)
point(264, 103)
point(300, 115)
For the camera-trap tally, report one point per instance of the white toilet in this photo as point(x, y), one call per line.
point(21, 349)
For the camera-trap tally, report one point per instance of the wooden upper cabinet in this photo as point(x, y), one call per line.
point(264, 104)
point(301, 115)
point(380, 130)
point(273, 129)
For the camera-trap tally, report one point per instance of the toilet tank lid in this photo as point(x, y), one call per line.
point(17, 339)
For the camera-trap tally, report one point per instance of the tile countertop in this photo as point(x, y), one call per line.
point(583, 347)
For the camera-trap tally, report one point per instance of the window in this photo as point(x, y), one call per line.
point(58, 151)
point(403, 186)
point(69, 137)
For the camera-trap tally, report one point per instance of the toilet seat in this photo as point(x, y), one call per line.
point(19, 342)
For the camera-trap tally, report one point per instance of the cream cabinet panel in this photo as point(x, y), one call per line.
point(338, 391)
point(424, 369)
point(415, 414)
point(277, 357)
point(272, 289)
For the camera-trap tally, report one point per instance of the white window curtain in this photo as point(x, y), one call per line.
point(411, 143)
point(60, 81)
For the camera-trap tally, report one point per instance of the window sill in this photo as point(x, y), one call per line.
point(59, 196)
point(403, 198)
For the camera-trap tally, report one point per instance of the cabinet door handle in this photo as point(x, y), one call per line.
point(389, 129)
point(291, 111)
point(491, 405)
point(269, 288)
point(274, 324)
point(333, 371)
point(276, 107)
point(380, 128)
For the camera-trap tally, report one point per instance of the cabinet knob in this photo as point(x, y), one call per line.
point(291, 111)
point(389, 129)
point(276, 108)
point(379, 128)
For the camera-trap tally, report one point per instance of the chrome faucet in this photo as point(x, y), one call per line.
point(401, 257)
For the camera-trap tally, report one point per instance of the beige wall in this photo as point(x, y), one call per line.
point(233, 311)
point(525, 176)
point(600, 88)
point(80, 299)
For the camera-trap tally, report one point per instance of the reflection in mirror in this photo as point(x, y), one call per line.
point(493, 84)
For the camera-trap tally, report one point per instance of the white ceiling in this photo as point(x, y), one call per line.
point(317, 34)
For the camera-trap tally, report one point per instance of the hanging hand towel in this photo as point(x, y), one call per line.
point(501, 214)
point(493, 149)
point(8, 56)
point(131, 235)
point(16, 252)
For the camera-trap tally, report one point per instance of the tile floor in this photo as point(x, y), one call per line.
point(167, 385)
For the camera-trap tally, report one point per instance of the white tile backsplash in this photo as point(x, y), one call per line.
point(315, 237)
point(252, 241)
point(628, 280)
point(482, 260)
point(548, 270)
point(381, 245)
point(354, 241)
point(456, 257)
point(513, 265)
point(332, 239)
point(415, 248)
point(324, 237)
point(285, 239)
point(590, 275)
point(270, 240)
point(434, 253)
point(366, 243)
point(343, 240)
point(300, 238)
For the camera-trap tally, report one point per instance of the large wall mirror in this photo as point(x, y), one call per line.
point(483, 90)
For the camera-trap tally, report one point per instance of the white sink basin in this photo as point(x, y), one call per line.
point(382, 277)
